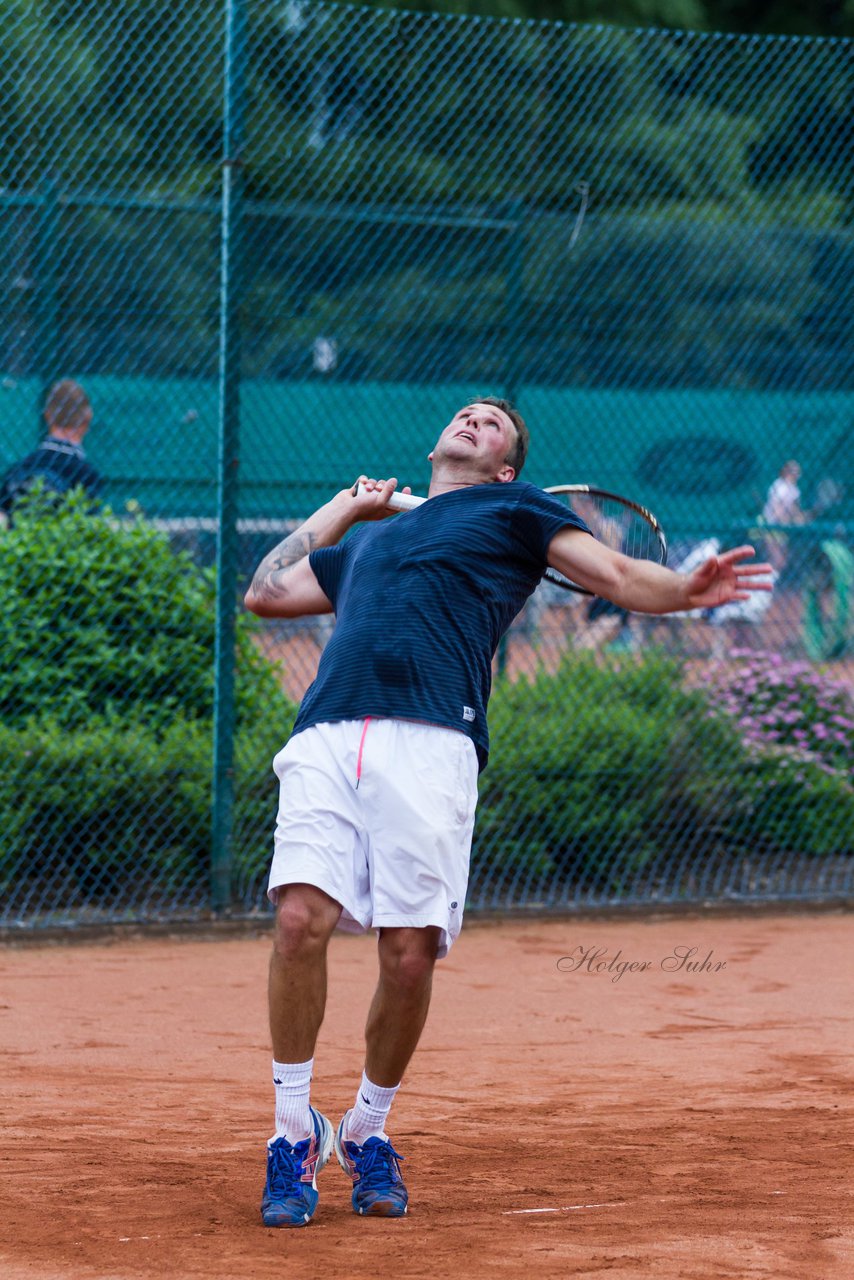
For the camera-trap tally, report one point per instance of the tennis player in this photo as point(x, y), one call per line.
point(378, 781)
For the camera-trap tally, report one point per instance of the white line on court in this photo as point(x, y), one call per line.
point(565, 1208)
point(604, 1204)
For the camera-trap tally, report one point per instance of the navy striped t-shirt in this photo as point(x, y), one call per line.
point(421, 602)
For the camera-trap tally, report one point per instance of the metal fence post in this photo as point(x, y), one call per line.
point(514, 270)
point(514, 281)
point(47, 300)
point(227, 459)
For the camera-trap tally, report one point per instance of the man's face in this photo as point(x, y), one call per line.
point(482, 436)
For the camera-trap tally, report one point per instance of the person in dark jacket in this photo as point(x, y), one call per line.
point(59, 462)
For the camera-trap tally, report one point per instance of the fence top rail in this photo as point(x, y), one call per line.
point(451, 216)
point(410, 18)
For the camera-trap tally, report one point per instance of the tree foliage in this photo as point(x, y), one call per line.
point(389, 158)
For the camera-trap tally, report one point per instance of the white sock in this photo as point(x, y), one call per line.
point(370, 1112)
point(292, 1082)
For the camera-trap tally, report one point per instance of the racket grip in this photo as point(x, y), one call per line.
point(397, 501)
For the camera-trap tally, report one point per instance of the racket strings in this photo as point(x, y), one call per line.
point(614, 521)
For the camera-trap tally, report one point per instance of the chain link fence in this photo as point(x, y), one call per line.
point(644, 238)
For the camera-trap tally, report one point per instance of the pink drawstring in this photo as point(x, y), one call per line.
point(361, 748)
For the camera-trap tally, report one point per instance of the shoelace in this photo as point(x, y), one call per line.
point(286, 1169)
point(378, 1166)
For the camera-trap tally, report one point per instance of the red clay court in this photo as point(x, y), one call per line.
point(555, 1122)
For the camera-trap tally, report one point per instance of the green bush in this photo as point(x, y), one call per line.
point(101, 616)
point(794, 805)
point(611, 765)
point(119, 807)
point(106, 711)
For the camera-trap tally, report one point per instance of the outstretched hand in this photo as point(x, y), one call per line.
point(724, 578)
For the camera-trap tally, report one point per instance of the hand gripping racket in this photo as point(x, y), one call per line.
point(621, 524)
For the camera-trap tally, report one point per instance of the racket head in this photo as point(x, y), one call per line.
point(619, 522)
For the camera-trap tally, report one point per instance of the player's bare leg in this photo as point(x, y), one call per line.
point(395, 1022)
point(399, 1008)
point(305, 920)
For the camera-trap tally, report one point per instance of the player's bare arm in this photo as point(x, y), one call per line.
point(284, 584)
point(644, 587)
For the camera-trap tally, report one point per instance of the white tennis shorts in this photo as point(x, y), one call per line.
point(379, 814)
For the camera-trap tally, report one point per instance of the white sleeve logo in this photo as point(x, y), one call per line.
point(469, 713)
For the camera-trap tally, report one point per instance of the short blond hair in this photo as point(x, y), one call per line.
point(66, 405)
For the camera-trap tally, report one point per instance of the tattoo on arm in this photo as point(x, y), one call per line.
point(269, 581)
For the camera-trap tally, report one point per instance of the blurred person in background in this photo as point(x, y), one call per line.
point(782, 507)
point(59, 462)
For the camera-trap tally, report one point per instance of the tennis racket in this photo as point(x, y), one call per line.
point(621, 524)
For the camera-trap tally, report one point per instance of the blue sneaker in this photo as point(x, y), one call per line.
point(290, 1196)
point(378, 1188)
